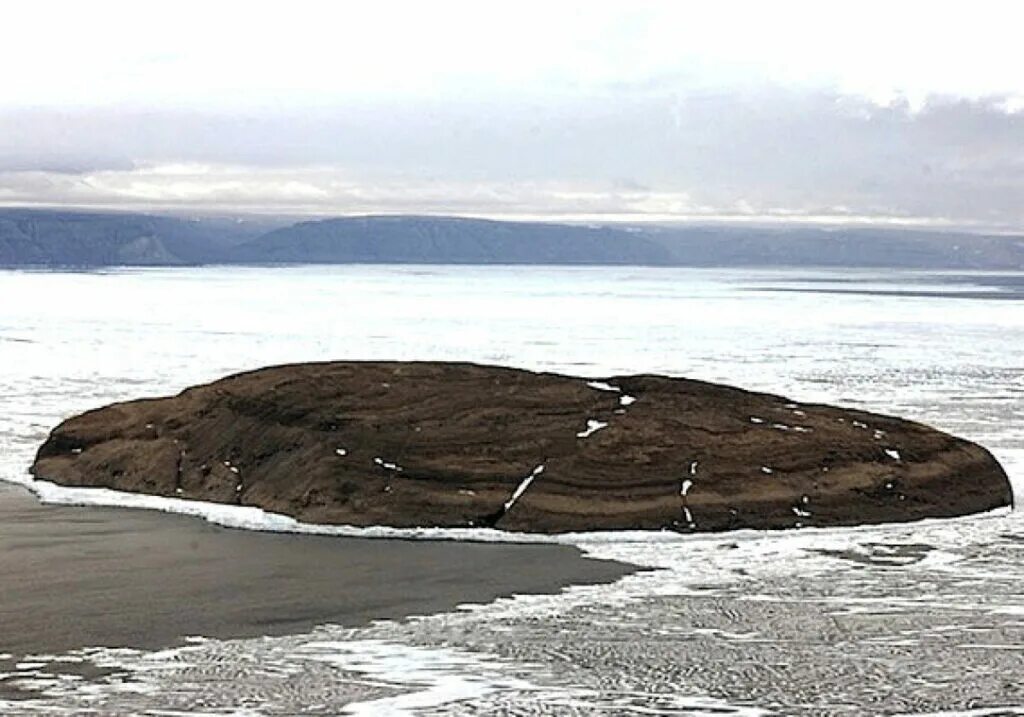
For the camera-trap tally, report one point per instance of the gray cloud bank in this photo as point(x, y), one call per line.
point(642, 151)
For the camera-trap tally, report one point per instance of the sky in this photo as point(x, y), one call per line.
point(897, 113)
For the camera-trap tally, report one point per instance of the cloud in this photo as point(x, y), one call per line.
point(655, 152)
point(903, 112)
point(237, 55)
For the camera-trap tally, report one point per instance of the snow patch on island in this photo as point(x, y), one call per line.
point(593, 426)
point(521, 488)
point(388, 465)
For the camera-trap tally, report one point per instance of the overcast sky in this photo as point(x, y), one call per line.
point(896, 112)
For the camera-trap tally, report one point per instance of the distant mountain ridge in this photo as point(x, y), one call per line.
point(32, 237)
point(450, 240)
point(38, 237)
point(840, 247)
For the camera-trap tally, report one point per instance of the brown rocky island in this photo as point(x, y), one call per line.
point(463, 445)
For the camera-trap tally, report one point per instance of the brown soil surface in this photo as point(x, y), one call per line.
point(448, 444)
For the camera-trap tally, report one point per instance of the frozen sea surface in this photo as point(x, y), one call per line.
point(925, 618)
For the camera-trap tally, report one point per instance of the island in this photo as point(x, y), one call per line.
point(460, 445)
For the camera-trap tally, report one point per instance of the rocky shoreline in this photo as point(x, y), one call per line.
point(421, 444)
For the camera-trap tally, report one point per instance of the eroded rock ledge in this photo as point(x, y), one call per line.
point(459, 445)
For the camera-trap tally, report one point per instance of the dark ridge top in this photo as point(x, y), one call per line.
point(461, 445)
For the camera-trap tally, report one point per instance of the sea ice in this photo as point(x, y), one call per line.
point(29, 665)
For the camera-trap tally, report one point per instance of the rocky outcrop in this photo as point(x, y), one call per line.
point(458, 445)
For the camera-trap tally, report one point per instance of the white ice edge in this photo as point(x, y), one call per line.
point(603, 386)
point(257, 519)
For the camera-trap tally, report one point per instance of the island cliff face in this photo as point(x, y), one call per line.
point(462, 445)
